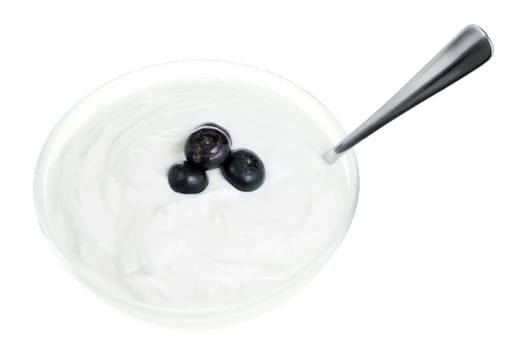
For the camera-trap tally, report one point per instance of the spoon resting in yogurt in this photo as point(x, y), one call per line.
point(470, 49)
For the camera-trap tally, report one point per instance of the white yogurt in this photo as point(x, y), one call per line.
point(111, 213)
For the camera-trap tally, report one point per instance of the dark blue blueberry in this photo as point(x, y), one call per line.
point(207, 147)
point(216, 126)
point(244, 170)
point(185, 179)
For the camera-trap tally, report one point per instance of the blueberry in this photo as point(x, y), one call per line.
point(216, 126)
point(244, 170)
point(185, 179)
point(207, 147)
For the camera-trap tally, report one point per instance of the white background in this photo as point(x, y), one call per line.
point(435, 258)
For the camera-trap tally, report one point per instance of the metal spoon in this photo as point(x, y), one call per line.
point(466, 52)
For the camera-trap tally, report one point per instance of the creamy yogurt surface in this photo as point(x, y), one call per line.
point(111, 213)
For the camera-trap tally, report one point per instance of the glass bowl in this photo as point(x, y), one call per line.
point(194, 70)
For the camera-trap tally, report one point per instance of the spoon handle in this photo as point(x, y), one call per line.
point(466, 52)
